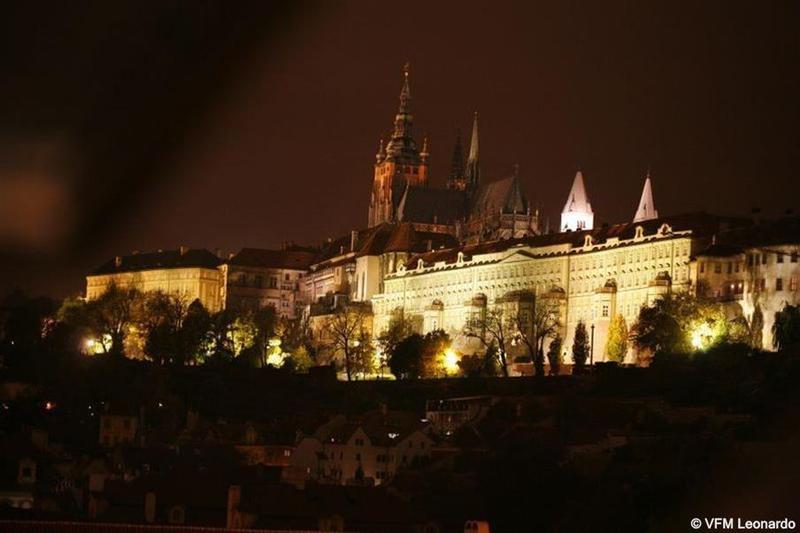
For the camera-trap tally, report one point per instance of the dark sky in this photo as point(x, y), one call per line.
point(145, 125)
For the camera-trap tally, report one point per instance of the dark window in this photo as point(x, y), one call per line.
point(286, 276)
point(702, 267)
point(750, 259)
point(763, 258)
point(730, 267)
point(273, 282)
point(717, 268)
point(779, 284)
point(794, 257)
point(779, 257)
point(358, 457)
point(259, 281)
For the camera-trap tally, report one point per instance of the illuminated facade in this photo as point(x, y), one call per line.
point(755, 268)
point(192, 274)
point(593, 275)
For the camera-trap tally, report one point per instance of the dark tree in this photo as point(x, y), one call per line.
point(554, 355)
point(405, 361)
point(580, 347)
point(786, 329)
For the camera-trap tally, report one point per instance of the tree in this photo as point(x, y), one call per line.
point(534, 327)
point(496, 327)
point(405, 361)
point(397, 330)
point(786, 329)
point(554, 355)
point(662, 326)
point(435, 345)
point(580, 347)
point(112, 314)
point(193, 334)
point(363, 356)
point(617, 343)
point(159, 318)
point(345, 328)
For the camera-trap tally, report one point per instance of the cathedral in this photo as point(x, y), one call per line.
point(467, 207)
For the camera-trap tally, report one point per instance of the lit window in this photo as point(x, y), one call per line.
point(793, 283)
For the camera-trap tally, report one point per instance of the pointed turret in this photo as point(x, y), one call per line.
point(647, 208)
point(424, 154)
point(577, 213)
point(381, 155)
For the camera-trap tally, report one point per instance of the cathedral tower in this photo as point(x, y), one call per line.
point(647, 208)
point(398, 164)
point(577, 213)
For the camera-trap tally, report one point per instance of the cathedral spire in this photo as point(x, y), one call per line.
point(405, 93)
point(647, 208)
point(473, 162)
point(577, 213)
point(424, 154)
point(401, 144)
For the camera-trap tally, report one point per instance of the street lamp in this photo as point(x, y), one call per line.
point(591, 348)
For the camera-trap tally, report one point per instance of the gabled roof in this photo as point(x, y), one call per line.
point(286, 259)
point(182, 258)
point(504, 195)
point(431, 205)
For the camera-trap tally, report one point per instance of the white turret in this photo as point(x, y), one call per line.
point(647, 208)
point(577, 213)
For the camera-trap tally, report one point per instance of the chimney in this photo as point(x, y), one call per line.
point(353, 240)
point(150, 507)
point(234, 498)
point(118, 261)
point(183, 249)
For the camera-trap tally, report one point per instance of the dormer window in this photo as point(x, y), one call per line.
point(460, 259)
point(587, 241)
point(665, 229)
point(639, 232)
point(177, 515)
point(420, 265)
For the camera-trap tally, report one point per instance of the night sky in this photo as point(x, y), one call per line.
point(146, 125)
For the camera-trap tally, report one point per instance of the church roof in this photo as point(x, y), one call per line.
point(181, 258)
point(288, 259)
point(503, 195)
point(431, 206)
point(647, 207)
point(578, 200)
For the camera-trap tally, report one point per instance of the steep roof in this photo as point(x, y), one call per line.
point(647, 207)
point(182, 258)
point(578, 200)
point(431, 206)
point(504, 195)
point(288, 259)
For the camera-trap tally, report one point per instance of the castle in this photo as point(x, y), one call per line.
point(442, 256)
